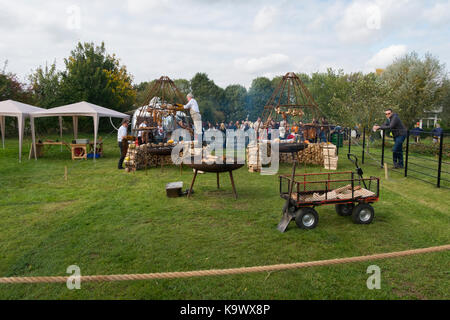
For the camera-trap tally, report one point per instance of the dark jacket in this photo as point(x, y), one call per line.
point(395, 125)
point(416, 131)
point(436, 132)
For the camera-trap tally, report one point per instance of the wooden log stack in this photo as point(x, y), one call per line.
point(253, 158)
point(330, 158)
point(321, 154)
point(139, 157)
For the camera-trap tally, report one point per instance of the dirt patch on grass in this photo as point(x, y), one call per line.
point(58, 205)
point(408, 290)
point(43, 203)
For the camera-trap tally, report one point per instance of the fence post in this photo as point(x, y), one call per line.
point(350, 142)
point(441, 144)
point(364, 144)
point(382, 149)
point(407, 153)
point(337, 143)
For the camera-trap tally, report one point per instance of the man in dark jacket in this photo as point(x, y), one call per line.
point(398, 130)
point(436, 133)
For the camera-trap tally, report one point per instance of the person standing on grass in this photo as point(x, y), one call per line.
point(416, 132)
point(436, 133)
point(324, 129)
point(122, 133)
point(398, 130)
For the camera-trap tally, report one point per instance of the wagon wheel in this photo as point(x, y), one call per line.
point(306, 218)
point(363, 213)
point(345, 209)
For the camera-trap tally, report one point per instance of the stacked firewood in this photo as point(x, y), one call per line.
point(139, 157)
point(315, 153)
point(311, 155)
point(330, 158)
point(342, 193)
point(253, 158)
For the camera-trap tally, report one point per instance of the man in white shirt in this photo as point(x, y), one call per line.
point(122, 133)
point(192, 105)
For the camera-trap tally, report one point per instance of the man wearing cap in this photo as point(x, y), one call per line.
point(122, 133)
point(398, 130)
point(192, 105)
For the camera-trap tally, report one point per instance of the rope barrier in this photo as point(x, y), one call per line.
point(221, 272)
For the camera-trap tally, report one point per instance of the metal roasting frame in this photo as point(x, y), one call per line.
point(171, 100)
point(290, 98)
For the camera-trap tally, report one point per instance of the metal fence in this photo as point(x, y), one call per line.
point(426, 156)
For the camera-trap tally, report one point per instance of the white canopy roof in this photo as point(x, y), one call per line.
point(75, 110)
point(11, 108)
point(80, 109)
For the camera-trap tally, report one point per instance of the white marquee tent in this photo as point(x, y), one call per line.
point(75, 110)
point(21, 111)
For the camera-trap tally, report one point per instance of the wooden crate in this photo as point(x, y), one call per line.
point(79, 151)
point(330, 163)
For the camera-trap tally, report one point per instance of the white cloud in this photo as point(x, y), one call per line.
point(438, 14)
point(266, 64)
point(265, 18)
point(361, 21)
point(146, 6)
point(221, 38)
point(386, 56)
point(370, 21)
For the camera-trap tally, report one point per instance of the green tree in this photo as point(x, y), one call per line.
point(12, 88)
point(142, 93)
point(445, 103)
point(210, 97)
point(46, 86)
point(235, 96)
point(259, 93)
point(415, 85)
point(324, 87)
point(365, 102)
point(95, 76)
point(183, 85)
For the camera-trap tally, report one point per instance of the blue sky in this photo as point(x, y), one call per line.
point(232, 41)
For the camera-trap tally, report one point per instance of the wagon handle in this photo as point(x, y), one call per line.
point(353, 159)
point(359, 171)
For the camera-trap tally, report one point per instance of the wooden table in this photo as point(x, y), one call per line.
point(40, 147)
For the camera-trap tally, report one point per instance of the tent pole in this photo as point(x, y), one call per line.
point(33, 137)
point(95, 134)
point(75, 127)
point(20, 121)
point(60, 130)
point(2, 128)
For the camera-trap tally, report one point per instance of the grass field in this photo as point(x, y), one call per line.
point(107, 221)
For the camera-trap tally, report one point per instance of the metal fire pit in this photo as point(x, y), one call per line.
point(291, 147)
point(161, 151)
point(215, 168)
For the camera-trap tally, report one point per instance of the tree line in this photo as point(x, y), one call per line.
point(411, 85)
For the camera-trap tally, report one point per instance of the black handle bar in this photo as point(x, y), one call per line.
point(353, 159)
